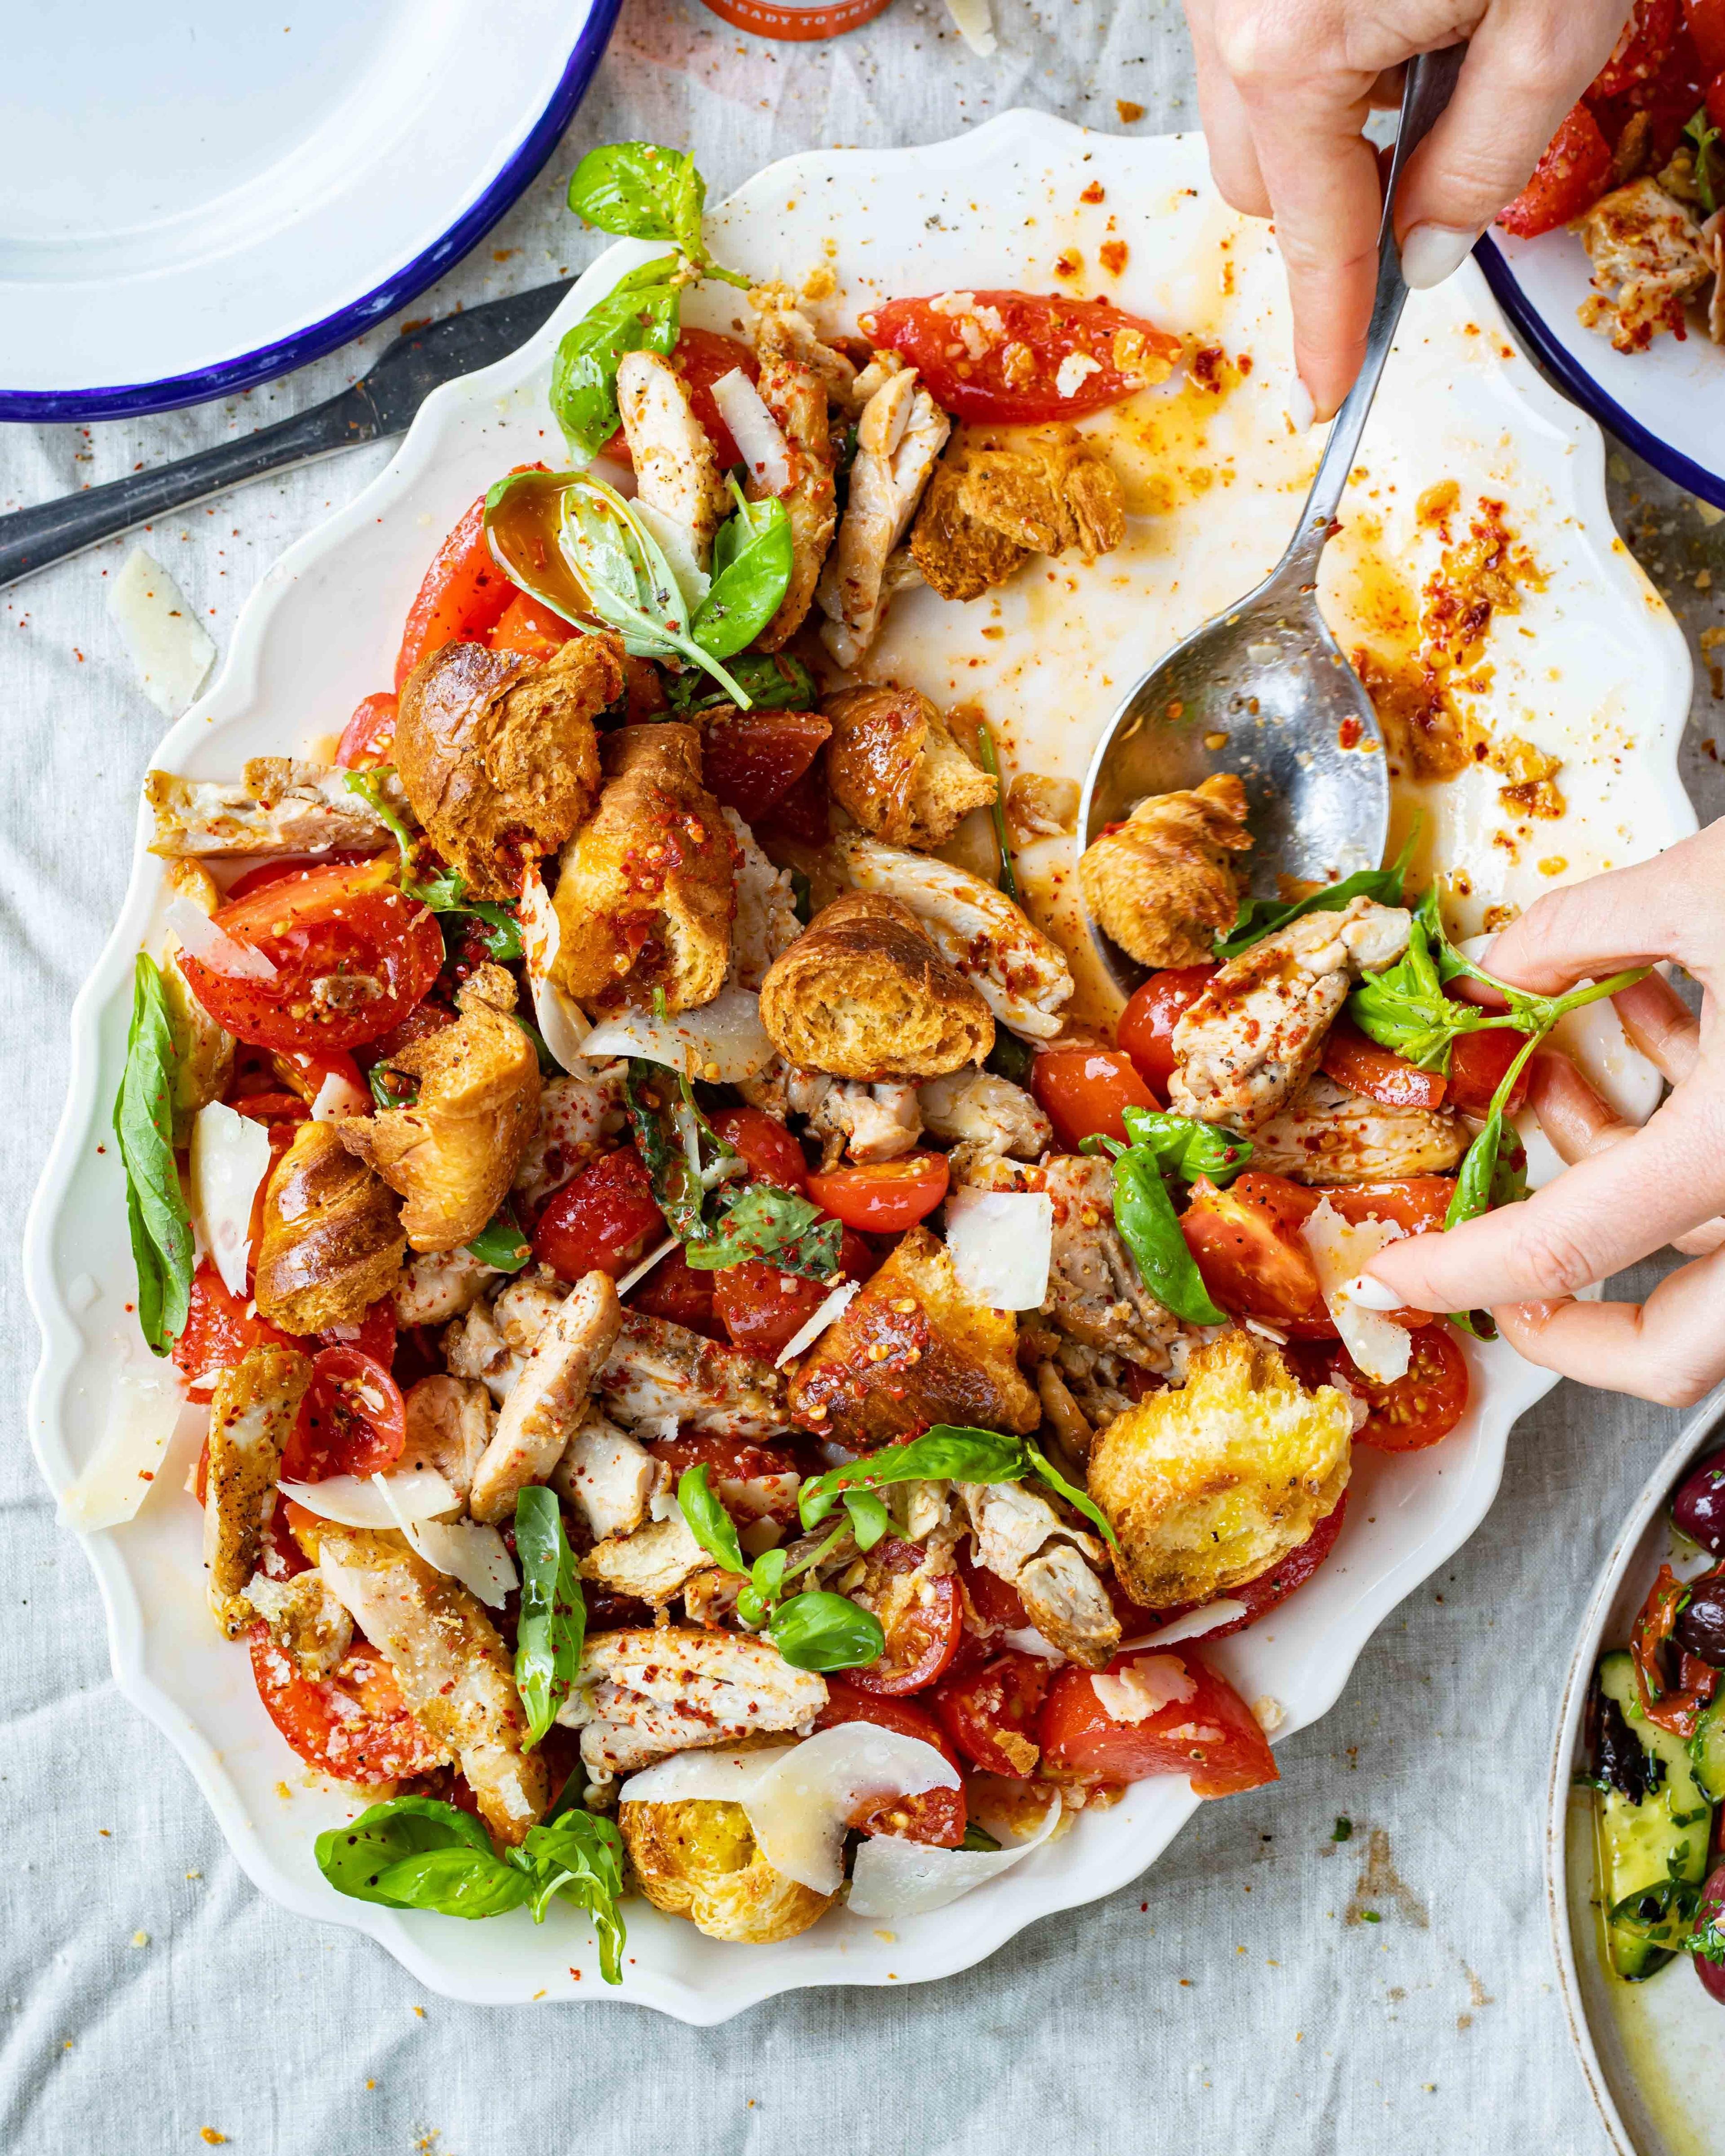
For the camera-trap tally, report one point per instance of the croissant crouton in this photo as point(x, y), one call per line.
point(863, 993)
point(331, 1241)
point(698, 1858)
point(648, 891)
point(1162, 883)
point(911, 1350)
point(1209, 1486)
point(995, 500)
point(499, 755)
point(893, 762)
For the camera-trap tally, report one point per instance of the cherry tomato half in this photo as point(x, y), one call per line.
point(752, 1482)
point(1363, 1067)
point(1153, 1011)
point(762, 1309)
point(751, 761)
point(991, 1714)
point(528, 629)
point(1407, 1413)
point(1478, 1064)
point(220, 1330)
point(675, 1291)
point(352, 958)
point(885, 1196)
point(354, 1420)
point(1570, 177)
point(995, 1601)
point(1705, 22)
point(368, 738)
point(353, 1725)
point(1082, 1092)
point(1245, 1241)
point(772, 1154)
point(939, 1816)
point(1207, 1732)
point(921, 1643)
point(603, 1220)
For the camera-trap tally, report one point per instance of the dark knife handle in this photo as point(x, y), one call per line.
point(31, 538)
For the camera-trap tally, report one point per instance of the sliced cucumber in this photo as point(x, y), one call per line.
point(1653, 1853)
point(1707, 1750)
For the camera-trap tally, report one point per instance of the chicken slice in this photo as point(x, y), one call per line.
point(872, 1123)
point(662, 1377)
point(645, 1693)
point(797, 399)
point(608, 1476)
point(1326, 1134)
point(304, 1620)
point(785, 334)
point(252, 1412)
point(1095, 1293)
point(899, 434)
point(574, 1114)
point(650, 1565)
point(449, 1424)
point(281, 805)
point(439, 1285)
point(1648, 260)
point(766, 923)
point(1021, 1539)
point(982, 1117)
point(1022, 976)
point(1254, 1035)
point(454, 1670)
point(676, 467)
point(546, 1404)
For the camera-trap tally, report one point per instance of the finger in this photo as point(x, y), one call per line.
point(1659, 1024)
point(1525, 67)
point(1609, 1210)
point(1570, 1112)
point(1228, 132)
point(1668, 907)
point(1670, 1348)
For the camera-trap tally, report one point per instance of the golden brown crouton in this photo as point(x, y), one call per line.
point(893, 762)
point(911, 1350)
point(1161, 883)
point(863, 993)
point(452, 1153)
point(994, 499)
point(498, 754)
point(331, 1241)
point(698, 1858)
point(1209, 1486)
point(648, 891)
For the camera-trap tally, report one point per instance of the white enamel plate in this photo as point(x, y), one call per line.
point(1592, 669)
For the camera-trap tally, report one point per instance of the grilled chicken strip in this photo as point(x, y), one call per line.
point(606, 1475)
point(663, 1375)
point(449, 1423)
point(982, 1117)
point(1326, 1134)
point(797, 399)
point(870, 1122)
point(901, 433)
point(253, 1411)
point(1095, 1294)
point(454, 1670)
point(439, 1285)
point(651, 1564)
point(281, 805)
point(766, 923)
point(493, 1341)
point(785, 334)
point(1024, 1541)
point(547, 1401)
point(1021, 975)
point(1255, 1035)
point(676, 467)
point(647, 1692)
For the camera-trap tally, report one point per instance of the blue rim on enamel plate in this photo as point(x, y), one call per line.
point(1667, 403)
point(329, 194)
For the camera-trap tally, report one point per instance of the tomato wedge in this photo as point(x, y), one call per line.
point(352, 956)
point(1379, 1073)
point(1639, 52)
point(368, 738)
point(1206, 1730)
point(991, 1714)
point(750, 763)
point(603, 1220)
point(463, 597)
point(353, 1725)
point(772, 1154)
point(1082, 1090)
point(675, 1291)
point(1029, 338)
point(763, 1310)
point(220, 1330)
point(1408, 1413)
point(1153, 1011)
point(354, 1420)
point(885, 1196)
point(1479, 1062)
point(1706, 23)
point(752, 1482)
point(529, 629)
point(1246, 1244)
point(939, 1816)
point(1569, 178)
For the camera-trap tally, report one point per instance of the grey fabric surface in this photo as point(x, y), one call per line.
point(1234, 2000)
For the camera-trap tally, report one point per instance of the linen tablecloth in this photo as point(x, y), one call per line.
point(1235, 1999)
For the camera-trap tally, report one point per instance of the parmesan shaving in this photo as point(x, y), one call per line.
point(893, 1878)
point(477, 1555)
point(757, 433)
point(1144, 1687)
point(1002, 1245)
point(230, 1157)
point(339, 1097)
point(165, 640)
point(1192, 1626)
point(723, 1042)
point(632, 1279)
point(560, 1018)
point(353, 1501)
point(214, 947)
point(1341, 1250)
point(830, 1311)
point(143, 1416)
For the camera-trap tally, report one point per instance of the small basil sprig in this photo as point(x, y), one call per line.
point(553, 1615)
point(1186, 1147)
point(774, 680)
point(1258, 917)
point(779, 1226)
point(500, 1242)
point(814, 1629)
point(642, 312)
point(991, 764)
point(418, 1853)
point(949, 1452)
point(1165, 1146)
point(156, 1213)
point(751, 573)
point(1703, 135)
point(446, 892)
point(643, 190)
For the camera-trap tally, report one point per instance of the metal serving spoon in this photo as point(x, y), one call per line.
point(1264, 690)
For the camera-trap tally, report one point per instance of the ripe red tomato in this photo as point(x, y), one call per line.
point(939, 1816)
point(1705, 22)
point(1209, 1735)
point(353, 957)
point(887, 1197)
point(702, 356)
point(1478, 1062)
point(772, 1154)
point(1015, 381)
point(1637, 56)
point(921, 1645)
point(750, 763)
point(1417, 1203)
point(605, 1219)
point(354, 1420)
point(463, 597)
point(375, 1335)
point(1153, 1011)
point(1363, 1067)
point(1262, 1594)
point(528, 629)
point(1408, 1413)
point(1246, 1244)
point(353, 1725)
point(1569, 178)
point(995, 1601)
point(367, 739)
point(737, 1470)
point(1082, 1090)
point(1000, 1700)
point(762, 1309)
point(675, 1291)
point(220, 1330)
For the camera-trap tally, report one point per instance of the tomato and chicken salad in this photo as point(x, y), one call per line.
point(672, 1284)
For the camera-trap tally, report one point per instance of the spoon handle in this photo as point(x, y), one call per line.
point(1430, 85)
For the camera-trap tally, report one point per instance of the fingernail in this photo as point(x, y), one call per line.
point(1371, 1294)
point(1301, 408)
point(1430, 253)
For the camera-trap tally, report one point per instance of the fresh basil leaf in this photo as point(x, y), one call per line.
point(870, 1519)
point(766, 1584)
point(392, 1089)
point(815, 1630)
point(774, 681)
point(1258, 917)
point(946, 1453)
point(708, 1522)
point(778, 1226)
point(640, 191)
point(1185, 1147)
point(549, 1067)
point(371, 1858)
point(1052, 1475)
point(751, 571)
point(977, 1837)
point(1010, 1057)
point(991, 764)
point(579, 1857)
point(642, 312)
point(369, 786)
point(553, 1615)
point(156, 1213)
point(1144, 1214)
point(501, 1242)
point(1404, 1009)
point(661, 1117)
point(452, 1882)
point(1509, 1177)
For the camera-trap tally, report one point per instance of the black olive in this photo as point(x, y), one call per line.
point(1698, 1509)
point(1700, 1624)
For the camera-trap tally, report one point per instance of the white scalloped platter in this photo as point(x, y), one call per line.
point(1592, 668)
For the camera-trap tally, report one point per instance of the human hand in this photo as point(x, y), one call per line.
point(1285, 87)
point(1627, 1192)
